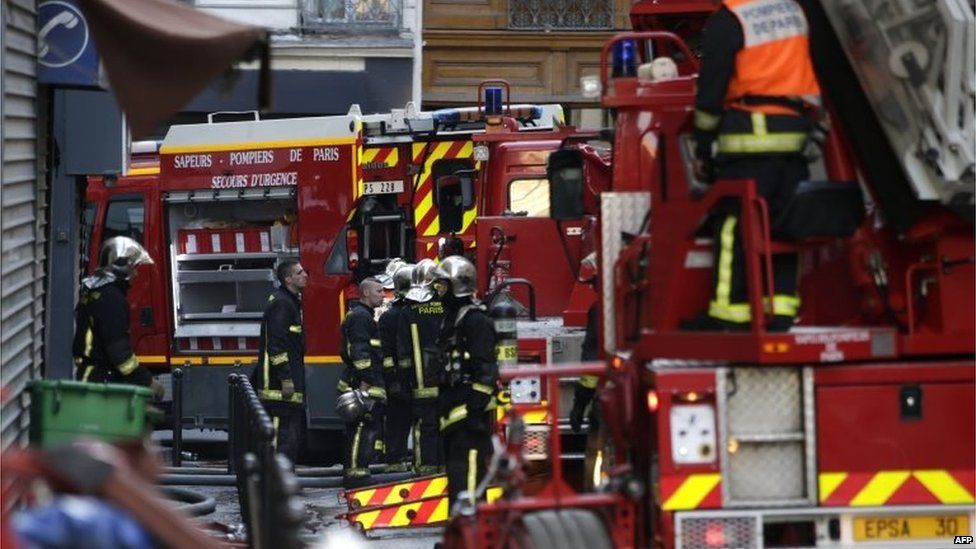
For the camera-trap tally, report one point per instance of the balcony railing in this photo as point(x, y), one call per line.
point(351, 14)
point(560, 14)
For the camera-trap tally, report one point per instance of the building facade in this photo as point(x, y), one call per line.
point(541, 47)
point(327, 55)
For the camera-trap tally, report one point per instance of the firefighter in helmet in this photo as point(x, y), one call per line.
point(397, 379)
point(470, 382)
point(362, 379)
point(280, 374)
point(417, 353)
point(585, 389)
point(102, 345)
point(757, 105)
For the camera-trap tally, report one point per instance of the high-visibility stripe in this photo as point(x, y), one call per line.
point(362, 363)
point(89, 342)
point(376, 392)
point(899, 487)
point(427, 511)
point(723, 287)
point(295, 329)
point(880, 488)
point(588, 381)
point(458, 413)
point(275, 394)
point(482, 388)
point(426, 392)
point(375, 342)
point(691, 491)
point(274, 440)
point(88, 371)
point(354, 459)
point(151, 359)
point(738, 143)
point(388, 362)
point(182, 149)
point(944, 486)
point(759, 123)
point(231, 359)
point(418, 364)
point(706, 121)
point(327, 359)
point(181, 360)
point(828, 482)
point(472, 474)
point(279, 358)
point(128, 365)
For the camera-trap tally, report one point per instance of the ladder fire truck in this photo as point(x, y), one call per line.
point(856, 427)
point(218, 204)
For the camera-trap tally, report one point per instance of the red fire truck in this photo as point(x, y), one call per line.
point(853, 429)
point(218, 204)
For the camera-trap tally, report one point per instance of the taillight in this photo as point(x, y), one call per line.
point(715, 535)
point(652, 401)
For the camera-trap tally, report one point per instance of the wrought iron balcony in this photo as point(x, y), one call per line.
point(577, 15)
point(352, 15)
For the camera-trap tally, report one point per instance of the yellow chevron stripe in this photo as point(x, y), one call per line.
point(368, 518)
point(362, 497)
point(943, 486)
point(880, 488)
point(828, 483)
point(357, 172)
point(434, 228)
point(436, 487)
point(425, 205)
point(692, 491)
point(394, 157)
point(469, 217)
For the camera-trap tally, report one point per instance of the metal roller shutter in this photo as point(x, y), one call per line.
point(22, 215)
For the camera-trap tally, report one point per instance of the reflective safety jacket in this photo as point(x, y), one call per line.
point(281, 354)
point(102, 347)
point(468, 338)
point(417, 350)
point(361, 352)
point(756, 86)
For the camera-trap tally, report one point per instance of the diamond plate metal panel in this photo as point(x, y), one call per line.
point(764, 401)
point(767, 471)
point(619, 213)
point(718, 532)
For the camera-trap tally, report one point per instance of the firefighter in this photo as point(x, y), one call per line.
point(361, 352)
point(471, 381)
point(585, 389)
point(102, 346)
point(756, 106)
point(419, 327)
point(280, 374)
point(397, 422)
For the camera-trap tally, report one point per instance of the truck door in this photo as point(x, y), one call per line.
point(134, 213)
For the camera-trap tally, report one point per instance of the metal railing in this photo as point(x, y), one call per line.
point(570, 15)
point(267, 488)
point(352, 15)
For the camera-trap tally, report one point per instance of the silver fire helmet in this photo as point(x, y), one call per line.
point(460, 274)
point(387, 276)
point(420, 280)
point(351, 406)
point(121, 255)
point(402, 279)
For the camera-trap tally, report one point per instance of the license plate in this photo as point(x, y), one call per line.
point(383, 187)
point(903, 528)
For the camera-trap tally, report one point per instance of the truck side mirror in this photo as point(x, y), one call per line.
point(453, 195)
point(566, 179)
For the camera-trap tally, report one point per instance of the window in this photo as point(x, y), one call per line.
point(530, 196)
point(125, 217)
point(560, 14)
point(332, 14)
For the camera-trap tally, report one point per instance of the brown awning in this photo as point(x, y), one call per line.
point(159, 54)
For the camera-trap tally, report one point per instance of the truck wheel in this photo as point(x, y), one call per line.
point(566, 529)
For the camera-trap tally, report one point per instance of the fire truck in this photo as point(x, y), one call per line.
point(853, 429)
point(217, 205)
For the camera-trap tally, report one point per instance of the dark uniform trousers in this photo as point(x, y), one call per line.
point(102, 346)
point(419, 328)
point(776, 178)
point(362, 353)
point(281, 356)
point(468, 396)
point(397, 418)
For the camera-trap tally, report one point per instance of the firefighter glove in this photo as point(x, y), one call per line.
point(157, 389)
point(287, 389)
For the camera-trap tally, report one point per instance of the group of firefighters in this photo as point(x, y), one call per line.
point(426, 370)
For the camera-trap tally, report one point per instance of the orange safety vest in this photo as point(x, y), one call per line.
point(775, 56)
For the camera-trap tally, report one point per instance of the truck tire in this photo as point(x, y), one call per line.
point(566, 529)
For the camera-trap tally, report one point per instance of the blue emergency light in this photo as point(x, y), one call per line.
point(493, 101)
point(624, 59)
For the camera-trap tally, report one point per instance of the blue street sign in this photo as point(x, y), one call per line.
point(66, 52)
